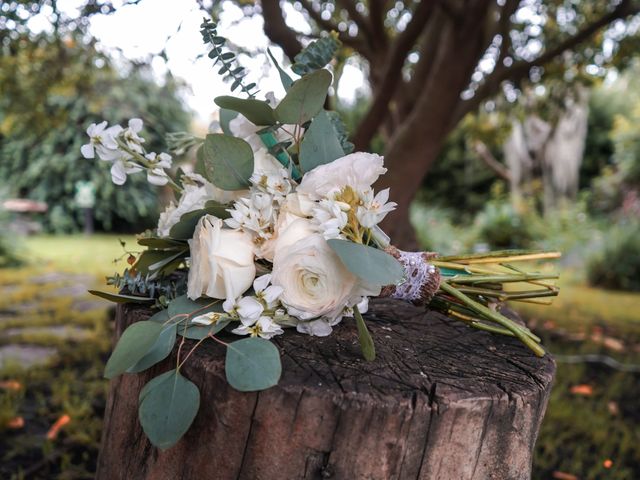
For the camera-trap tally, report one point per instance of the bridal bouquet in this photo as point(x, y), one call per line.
point(276, 227)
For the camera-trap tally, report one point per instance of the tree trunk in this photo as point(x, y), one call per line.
point(416, 144)
point(439, 402)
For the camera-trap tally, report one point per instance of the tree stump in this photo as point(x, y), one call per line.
point(441, 401)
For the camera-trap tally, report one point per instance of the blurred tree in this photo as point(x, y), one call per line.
point(429, 63)
point(54, 85)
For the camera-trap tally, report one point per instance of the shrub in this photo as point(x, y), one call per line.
point(501, 226)
point(617, 264)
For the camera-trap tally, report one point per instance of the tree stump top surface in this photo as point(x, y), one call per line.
point(417, 351)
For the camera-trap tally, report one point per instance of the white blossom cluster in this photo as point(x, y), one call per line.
point(123, 148)
point(276, 224)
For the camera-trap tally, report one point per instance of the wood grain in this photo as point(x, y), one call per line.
point(440, 402)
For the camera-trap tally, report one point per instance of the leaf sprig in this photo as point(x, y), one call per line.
point(230, 68)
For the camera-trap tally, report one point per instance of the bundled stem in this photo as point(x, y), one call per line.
point(471, 288)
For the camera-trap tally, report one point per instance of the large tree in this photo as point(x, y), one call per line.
point(431, 62)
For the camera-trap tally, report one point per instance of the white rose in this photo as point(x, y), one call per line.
point(315, 282)
point(358, 170)
point(194, 197)
point(289, 229)
point(222, 263)
point(299, 204)
point(265, 163)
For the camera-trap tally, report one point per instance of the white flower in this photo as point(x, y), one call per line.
point(269, 294)
point(246, 308)
point(275, 183)
point(131, 137)
point(242, 128)
point(331, 218)
point(197, 191)
point(221, 261)
point(299, 204)
point(255, 214)
point(374, 209)
point(264, 162)
point(315, 282)
point(156, 174)
point(102, 140)
point(207, 319)
point(263, 327)
point(122, 167)
point(357, 170)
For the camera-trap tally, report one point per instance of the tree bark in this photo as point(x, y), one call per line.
point(439, 402)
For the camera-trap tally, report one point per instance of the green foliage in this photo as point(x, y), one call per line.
point(232, 71)
point(367, 346)
point(158, 351)
point(617, 264)
point(305, 98)
point(228, 161)
point(189, 309)
point(252, 364)
point(320, 144)
point(133, 345)
point(257, 112)
point(52, 90)
point(187, 224)
point(316, 55)
point(168, 405)
point(500, 225)
point(372, 265)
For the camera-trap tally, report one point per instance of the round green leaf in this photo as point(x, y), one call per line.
point(320, 144)
point(184, 305)
point(257, 112)
point(252, 364)
point(228, 161)
point(134, 344)
point(305, 98)
point(158, 351)
point(168, 405)
point(370, 264)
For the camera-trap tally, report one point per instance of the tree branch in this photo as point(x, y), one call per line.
point(519, 70)
point(354, 42)
point(392, 74)
point(490, 161)
point(277, 30)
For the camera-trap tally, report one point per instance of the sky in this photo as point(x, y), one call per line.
point(151, 25)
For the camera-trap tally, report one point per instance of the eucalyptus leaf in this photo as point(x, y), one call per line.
point(161, 243)
point(285, 79)
point(183, 305)
point(252, 364)
point(198, 332)
point(150, 261)
point(118, 298)
point(161, 316)
point(370, 264)
point(304, 99)
point(187, 224)
point(228, 161)
point(257, 112)
point(134, 344)
point(225, 119)
point(320, 144)
point(367, 346)
point(168, 405)
point(158, 351)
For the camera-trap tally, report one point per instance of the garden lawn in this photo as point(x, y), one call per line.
point(51, 412)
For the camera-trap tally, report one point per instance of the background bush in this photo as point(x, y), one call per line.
point(52, 91)
point(617, 265)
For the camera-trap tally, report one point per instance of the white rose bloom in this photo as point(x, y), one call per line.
point(299, 204)
point(221, 261)
point(358, 170)
point(315, 282)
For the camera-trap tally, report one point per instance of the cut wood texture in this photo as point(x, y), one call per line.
point(440, 402)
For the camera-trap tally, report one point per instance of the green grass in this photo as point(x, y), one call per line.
point(78, 253)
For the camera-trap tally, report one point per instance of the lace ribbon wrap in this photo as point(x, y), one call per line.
point(422, 280)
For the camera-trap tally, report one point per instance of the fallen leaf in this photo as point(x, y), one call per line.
point(584, 390)
point(564, 476)
point(11, 385)
point(16, 423)
point(55, 428)
point(613, 344)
